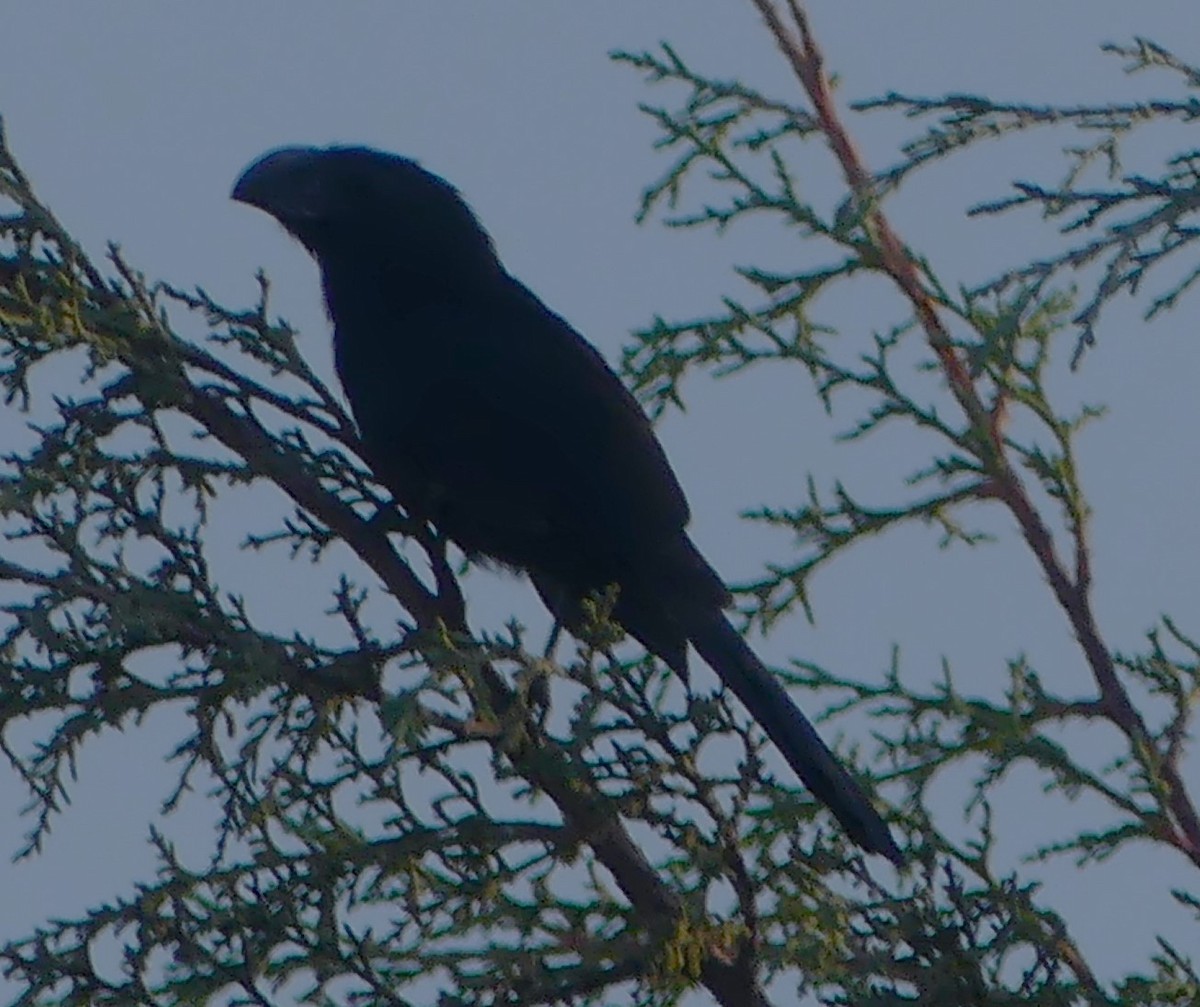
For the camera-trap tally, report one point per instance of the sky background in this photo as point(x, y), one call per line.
point(133, 120)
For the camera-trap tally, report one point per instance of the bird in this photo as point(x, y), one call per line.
point(488, 416)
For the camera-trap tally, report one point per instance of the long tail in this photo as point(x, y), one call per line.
point(768, 702)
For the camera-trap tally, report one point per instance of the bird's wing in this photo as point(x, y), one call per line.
point(502, 405)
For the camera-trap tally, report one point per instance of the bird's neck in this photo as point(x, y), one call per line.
point(380, 284)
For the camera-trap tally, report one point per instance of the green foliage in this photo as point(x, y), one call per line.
point(993, 429)
point(408, 814)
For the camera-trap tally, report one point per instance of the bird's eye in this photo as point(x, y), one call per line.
point(360, 192)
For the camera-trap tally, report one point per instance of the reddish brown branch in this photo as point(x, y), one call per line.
point(1073, 595)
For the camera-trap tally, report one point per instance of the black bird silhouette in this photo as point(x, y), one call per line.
point(487, 415)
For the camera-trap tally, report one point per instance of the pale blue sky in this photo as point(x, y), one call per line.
point(133, 120)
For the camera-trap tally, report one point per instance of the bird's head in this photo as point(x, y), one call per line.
point(364, 205)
